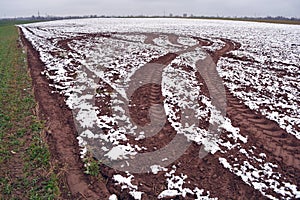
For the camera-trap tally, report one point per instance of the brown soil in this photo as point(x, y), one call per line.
point(282, 148)
point(61, 134)
point(208, 172)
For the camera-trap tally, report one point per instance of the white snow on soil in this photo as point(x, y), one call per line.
point(175, 187)
point(266, 66)
point(125, 183)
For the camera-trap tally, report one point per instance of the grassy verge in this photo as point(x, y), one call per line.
point(25, 168)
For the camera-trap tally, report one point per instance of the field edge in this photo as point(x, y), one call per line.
point(61, 135)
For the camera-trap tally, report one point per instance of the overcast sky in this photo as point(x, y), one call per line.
point(17, 8)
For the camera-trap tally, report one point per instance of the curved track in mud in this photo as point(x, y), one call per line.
point(281, 148)
point(208, 171)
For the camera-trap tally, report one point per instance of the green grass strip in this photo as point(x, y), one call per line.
point(25, 167)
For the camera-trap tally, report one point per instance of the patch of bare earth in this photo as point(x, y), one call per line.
point(61, 135)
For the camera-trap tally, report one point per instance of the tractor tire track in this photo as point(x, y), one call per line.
point(146, 106)
point(281, 144)
point(209, 172)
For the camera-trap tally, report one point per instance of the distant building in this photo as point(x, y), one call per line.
point(184, 15)
point(170, 15)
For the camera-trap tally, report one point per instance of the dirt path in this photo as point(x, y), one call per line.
point(61, 134)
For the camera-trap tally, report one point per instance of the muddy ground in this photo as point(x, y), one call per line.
point(282, 148)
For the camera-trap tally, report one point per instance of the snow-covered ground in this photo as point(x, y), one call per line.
point(275, 49)
point(266, 66)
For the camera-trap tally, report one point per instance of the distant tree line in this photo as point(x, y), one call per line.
point(274, 18)
point(48, 18)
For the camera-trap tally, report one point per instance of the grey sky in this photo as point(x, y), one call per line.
point(17, 8)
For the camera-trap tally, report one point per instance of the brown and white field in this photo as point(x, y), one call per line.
point(171, 108)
